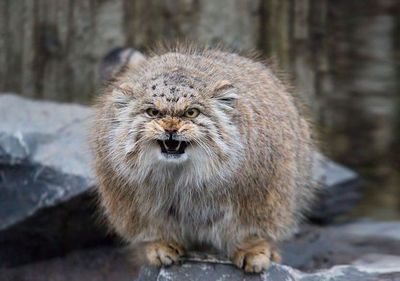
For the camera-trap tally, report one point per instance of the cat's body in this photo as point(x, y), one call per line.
point(202, 148)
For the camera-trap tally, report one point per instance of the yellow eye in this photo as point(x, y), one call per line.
point(152, 112)
point(192, 113)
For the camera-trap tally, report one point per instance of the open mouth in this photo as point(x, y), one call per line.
point(172, 147)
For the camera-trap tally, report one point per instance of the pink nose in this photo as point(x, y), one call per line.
point(170, 130)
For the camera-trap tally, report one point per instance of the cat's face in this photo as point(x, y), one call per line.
point(176, 122)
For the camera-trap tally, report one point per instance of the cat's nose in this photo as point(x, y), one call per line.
point(170, 130)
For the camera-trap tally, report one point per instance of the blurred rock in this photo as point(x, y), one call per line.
point(341, 189)
point(315, 247)
point(46, 181)
point(46, 205)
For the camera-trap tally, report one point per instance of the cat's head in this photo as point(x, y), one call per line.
point(174, 120)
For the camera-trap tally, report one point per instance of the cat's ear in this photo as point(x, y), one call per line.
point(118, 58)
point(122, 94)
point(226, 94)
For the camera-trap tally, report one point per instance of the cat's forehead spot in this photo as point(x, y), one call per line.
point(173, 86)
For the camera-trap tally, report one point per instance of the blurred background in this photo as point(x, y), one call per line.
point(343, 57)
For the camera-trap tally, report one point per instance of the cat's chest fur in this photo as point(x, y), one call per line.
point(195, 210)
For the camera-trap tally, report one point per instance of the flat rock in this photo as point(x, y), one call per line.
point(46, 181)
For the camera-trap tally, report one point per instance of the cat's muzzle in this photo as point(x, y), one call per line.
point(172, 147)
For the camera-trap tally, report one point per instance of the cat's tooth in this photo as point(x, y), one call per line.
point(179, 145)
point(165, 145)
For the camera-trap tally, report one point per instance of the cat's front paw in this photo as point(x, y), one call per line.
point(255, 256)
point(162, 253)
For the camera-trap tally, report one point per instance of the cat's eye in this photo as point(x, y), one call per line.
point(152, 112)
point(192, 113)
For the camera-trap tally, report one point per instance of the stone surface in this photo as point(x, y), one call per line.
point(197, 271)
point(46, 181)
